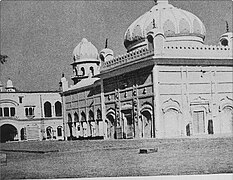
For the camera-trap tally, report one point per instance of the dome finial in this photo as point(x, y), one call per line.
point(160, 1)
point(154, 24)
point(227, 26)
point(106, 43)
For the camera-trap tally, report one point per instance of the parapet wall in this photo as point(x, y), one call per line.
point(172, 51)
point(204, 51)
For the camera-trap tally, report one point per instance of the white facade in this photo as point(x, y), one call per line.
point(32, 115)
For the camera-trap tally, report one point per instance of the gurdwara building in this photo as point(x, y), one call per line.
point(30, 115)
point(168, 84)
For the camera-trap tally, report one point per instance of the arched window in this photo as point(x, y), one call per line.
point(59, 131)
point(83, 116)
point(75, 119)
point(1, 112)
point(83, 71)
point(6, 111)
point(26, 111)
point(12, 109)
point(91, 115)
point(150, 42)
point(99, 115)
point(30, 111)
point(58, 109)
point(224, 42)
point(49, 132)
point(92, 71)
point(47, 109)
point(76, 71)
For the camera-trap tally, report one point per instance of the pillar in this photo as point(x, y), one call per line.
point(103, 111)
point(156, 131)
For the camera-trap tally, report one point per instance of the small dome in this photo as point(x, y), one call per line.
point(85, 50)
point(226, 39)
point(9, 84)
point(106, 54)
point(174, 23)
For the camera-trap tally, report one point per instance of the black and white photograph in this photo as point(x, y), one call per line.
point(100, 89)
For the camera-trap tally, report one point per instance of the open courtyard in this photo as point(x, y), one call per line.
point(115, 158)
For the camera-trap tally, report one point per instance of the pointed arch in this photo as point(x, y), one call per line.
point(59, 131)
point(70, 124)
point(83, 116)
point(90, 116)
point(49, 131)
point(47, 109)
point(146, 117)
point(171, 104)
point(110, 123)
point(58, 108)
point(99, 114)
point(76, 118)
point(92, 71)
point(82, 71)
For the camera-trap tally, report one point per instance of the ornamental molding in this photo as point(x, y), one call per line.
point(171, 104)
point(146, 106)
point(110, 111)
point(199, 101)
point(225, 102)
point(9, 101)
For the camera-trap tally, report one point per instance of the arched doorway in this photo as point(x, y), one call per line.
point(83, 125)
point(49, 131)
point(91, 124)
point(23, 134)
point(76, 125)
point(110, 126)
point(128, 124)
point(226, 120)
point(146, 124)
point(8, 132)
point(70, 125)
point(171, 123)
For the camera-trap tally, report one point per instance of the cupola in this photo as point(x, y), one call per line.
point(85, 51)
point(86, 61)
point(226, 39)
point(9, 86)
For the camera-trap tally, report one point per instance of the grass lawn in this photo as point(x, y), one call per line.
point(118, 158)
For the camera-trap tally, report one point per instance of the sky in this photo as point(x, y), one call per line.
point(40, 36)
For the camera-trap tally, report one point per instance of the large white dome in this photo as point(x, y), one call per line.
point(174, 23)
point(85, 51)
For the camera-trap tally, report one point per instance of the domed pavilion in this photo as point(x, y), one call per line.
point(169, 84)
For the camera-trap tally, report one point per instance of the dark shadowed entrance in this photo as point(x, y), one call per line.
point(128, 124)
point(7, 132)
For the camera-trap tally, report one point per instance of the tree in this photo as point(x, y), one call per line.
point(3, 58)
